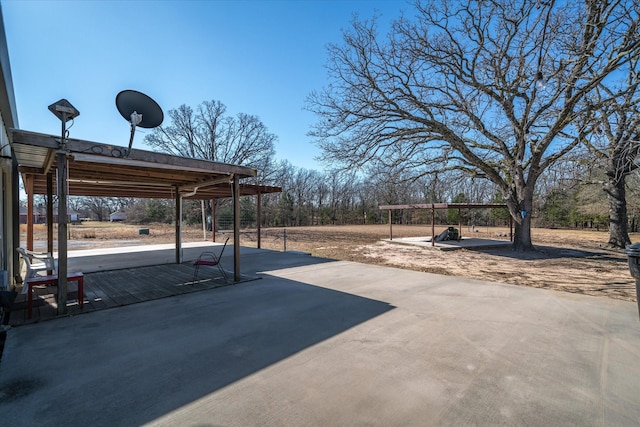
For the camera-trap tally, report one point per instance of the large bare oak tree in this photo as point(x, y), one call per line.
point(209, 133)
point(496, 88)
point(614, 138)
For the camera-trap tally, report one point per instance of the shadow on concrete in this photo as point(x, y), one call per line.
point(256, 262)
point(131, 365)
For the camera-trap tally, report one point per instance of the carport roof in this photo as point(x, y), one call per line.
point(97, 169)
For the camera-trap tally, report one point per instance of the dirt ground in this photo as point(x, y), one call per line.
point(565, 260)
point(574, 261)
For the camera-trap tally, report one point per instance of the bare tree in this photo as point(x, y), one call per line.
point(99, 207)
point(614, 138)
point(303, 182)
point(455, 88)
point(209, 134)
point(633, 201)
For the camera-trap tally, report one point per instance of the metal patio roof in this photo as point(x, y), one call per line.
point(97, 169)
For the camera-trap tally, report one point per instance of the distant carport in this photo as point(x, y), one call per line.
point(86, 168)
point(434, 206)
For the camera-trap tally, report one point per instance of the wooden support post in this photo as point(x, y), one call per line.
point(29, 189)
point(50, 216)
point(13, 239)
point(178, 226)
point(204, 220)
point(259, 220)
point(433, 225)
point(390, 227)
point(459, 224)
point(62, 231)
point(213, 220)
point(236, 228)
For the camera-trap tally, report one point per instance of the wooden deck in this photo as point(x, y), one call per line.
point(107, 289)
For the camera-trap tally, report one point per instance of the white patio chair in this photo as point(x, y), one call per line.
point(36, 262)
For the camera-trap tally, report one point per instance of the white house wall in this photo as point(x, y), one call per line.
point(9, 198)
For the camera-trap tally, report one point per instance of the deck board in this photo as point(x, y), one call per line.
point(107, 289)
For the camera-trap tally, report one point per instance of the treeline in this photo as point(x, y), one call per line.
point(574, 199)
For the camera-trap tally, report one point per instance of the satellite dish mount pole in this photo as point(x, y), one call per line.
point(136, 119)
point(62, 220)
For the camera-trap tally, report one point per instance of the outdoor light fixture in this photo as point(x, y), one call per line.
point(64, 110)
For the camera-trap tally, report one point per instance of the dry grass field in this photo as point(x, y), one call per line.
point(566, 260)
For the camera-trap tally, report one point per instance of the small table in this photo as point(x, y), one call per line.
point(53, 280)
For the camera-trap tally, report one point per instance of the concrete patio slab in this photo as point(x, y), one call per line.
point(321, 342)
point(114, 258)
point(451, 245)
point(105, 259)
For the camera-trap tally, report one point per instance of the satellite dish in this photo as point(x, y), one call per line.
point(139, 110)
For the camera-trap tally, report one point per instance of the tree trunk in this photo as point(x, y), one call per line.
point(522, 234)
point(521, 214)
point(618, 231)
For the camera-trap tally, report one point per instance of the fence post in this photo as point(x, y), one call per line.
point(285, 239)
point(259, 220)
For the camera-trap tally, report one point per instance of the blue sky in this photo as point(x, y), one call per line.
point(260, 57)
